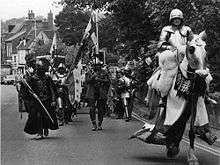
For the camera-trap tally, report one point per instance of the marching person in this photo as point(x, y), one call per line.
point(127, 93)
point(30, 65)
point(29, 72)
point(98, 83)
point(35, 89)
point(118, 109)
point(64, 105)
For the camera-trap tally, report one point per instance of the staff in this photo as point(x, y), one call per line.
point(36, 97)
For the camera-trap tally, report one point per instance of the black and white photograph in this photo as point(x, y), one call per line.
point(110, 82)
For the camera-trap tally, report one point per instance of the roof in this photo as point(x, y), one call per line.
point(17, 28)
point(15, 36)
point(30, 37)
point(49, 33)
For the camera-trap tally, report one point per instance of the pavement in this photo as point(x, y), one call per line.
point(76, 144)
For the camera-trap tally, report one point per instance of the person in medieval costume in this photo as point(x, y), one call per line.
point(98, 83)
point(64, 105)
point(172, 46)
point(29, 71)
point(39, 86)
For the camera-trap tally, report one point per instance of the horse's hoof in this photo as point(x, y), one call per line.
point(193, 162)
point(192, 159)
point(172, 151)
point(208, 138)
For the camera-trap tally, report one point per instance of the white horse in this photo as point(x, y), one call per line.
point(185, 99)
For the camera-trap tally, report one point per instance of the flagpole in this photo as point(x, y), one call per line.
point(97, 31)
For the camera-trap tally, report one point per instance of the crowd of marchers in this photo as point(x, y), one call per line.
point(44, 94)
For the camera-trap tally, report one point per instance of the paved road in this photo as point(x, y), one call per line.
point(76, 144)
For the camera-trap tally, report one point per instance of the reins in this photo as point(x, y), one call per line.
point(179, 66)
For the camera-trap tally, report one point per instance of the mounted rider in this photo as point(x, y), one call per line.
point(171, 46)
point(181, 79)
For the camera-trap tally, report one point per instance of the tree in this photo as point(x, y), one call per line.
point(82, 4)
point(72, 21)
point(135, 29)
point(108, 33)
point(71, 24)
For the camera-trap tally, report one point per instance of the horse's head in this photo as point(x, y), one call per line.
point(195, 51)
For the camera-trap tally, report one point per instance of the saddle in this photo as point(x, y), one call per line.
point(186, 87)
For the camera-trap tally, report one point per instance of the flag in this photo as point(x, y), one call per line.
point(54, 44)
point(90, 30)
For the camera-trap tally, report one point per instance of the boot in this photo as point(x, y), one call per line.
point(100, 126)
point(94, 126)
point(128, 119)
point(204, 133)
point(40, 134)
point(46, 132)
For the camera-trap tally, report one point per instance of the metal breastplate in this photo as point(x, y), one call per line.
point(176, 39)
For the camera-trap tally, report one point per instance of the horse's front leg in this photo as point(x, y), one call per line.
point(192, 159)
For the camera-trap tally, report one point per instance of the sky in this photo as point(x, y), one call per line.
point(19, 8)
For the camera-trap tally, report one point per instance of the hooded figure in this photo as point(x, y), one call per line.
point(38, 121)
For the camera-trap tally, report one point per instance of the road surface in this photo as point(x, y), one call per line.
point(76, 144)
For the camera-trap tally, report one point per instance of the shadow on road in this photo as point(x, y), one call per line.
point(157, 159)
point(47, 138)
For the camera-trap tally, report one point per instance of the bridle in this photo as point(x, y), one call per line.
point(182, 68)
point(187, 56)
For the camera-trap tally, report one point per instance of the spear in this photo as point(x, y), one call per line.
point(37, 98)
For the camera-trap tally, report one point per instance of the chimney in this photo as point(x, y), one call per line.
point(10, 28)
point(31, 14)
point(24, 41)
point(50, 19)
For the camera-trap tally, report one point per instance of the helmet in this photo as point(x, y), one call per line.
point(61, 68)
point(176, 13)
point(61, 65)
point(30, 60)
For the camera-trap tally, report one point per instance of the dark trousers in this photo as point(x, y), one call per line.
point(130, 106)
point(100, 105)
point(120, 107)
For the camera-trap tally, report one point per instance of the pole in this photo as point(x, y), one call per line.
point(38, 99)
point(35, 29)
point(97, 31)
point(104, 57)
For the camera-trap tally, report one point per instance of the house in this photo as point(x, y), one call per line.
point(27, 45)
point(21, 39)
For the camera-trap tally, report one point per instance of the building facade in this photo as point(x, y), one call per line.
point(21, 39)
